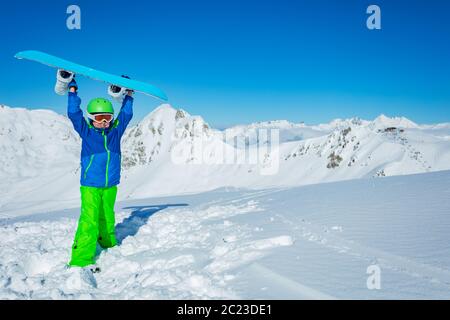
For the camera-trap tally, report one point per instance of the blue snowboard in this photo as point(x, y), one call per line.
point(75, 68)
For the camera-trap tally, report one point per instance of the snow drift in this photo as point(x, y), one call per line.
point(308, 242)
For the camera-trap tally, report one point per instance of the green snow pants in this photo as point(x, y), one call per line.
point(96, 223)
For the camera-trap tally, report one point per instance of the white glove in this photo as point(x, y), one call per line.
point(117, 93)
point(63, 78)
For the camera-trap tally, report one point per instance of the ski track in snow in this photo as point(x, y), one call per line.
point(300, 290)
point(219, 246)
point(323, 236)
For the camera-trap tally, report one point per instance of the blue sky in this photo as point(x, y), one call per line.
point(241, 61)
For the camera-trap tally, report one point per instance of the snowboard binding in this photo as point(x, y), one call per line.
point(118, 93)
point(66, 79)
point(63, 79)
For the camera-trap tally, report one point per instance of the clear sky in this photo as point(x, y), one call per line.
point(235, 61)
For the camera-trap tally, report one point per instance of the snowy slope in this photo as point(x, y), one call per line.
point(39, 158)
point(172, 152)
point(308, 242)
point(341, 150)
point(35, 140)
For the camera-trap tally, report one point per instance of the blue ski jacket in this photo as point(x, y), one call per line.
point(100, 150)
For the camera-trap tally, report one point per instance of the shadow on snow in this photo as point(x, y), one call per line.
point(139, 217)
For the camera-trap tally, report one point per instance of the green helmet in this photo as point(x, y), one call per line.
point(100, 105)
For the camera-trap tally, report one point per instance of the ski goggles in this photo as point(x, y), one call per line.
point(101, 117)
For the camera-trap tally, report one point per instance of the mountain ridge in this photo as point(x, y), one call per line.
point(172, 152)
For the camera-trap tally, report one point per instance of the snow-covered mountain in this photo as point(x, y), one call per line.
point(34, 140)
point(288, 131)
point(39, 159)
point(340, 150)
point(173, 152)
point(159, 133)
point(314, 241)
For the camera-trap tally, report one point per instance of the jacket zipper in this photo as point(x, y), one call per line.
point(89, 165)
point(107, 162)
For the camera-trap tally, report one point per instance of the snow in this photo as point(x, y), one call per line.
point(346, 195)
point(383, 121)
point(172, 152)
point(307, 242)
point(288, 131)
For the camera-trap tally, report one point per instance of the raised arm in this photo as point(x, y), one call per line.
point(74, 112)
point(126, 113)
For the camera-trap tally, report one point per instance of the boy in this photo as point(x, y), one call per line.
point(100, 171)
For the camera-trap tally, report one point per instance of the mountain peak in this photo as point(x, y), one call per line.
point(164, 108)
point(384, 121)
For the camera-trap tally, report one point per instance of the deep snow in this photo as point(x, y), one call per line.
point(308, 242)
point(227, 230)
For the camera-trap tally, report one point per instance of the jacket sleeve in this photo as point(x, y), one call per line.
point(76, 115)
point(125, 114)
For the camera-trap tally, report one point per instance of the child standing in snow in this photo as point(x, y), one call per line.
point(100, 171)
